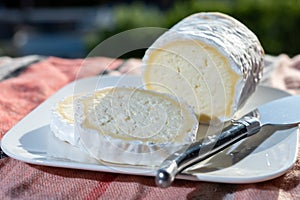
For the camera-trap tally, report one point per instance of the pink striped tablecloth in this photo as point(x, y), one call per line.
point(25, 87)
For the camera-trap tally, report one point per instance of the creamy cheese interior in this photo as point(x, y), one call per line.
point(121, 125)
point(133, 114)
point(195, 71)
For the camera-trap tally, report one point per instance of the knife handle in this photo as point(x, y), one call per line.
point(203, 149)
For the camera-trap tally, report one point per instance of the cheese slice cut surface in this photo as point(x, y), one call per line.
point(210, 60)
point(133, 126)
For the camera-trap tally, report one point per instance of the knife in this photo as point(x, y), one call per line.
point(283, 113)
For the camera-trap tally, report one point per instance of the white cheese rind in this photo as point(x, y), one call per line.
point(133, 126)
point(62, 121)
point(210, 60)
point(64, 141)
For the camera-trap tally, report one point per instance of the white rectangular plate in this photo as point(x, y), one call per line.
point(261, 157)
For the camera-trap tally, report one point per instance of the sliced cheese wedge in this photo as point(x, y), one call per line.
point(133, 126)
point(210, 60)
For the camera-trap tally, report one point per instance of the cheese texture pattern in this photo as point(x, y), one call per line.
point(133, 126)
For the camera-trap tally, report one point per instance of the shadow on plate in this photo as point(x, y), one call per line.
point(33, 141)
point(237, 152)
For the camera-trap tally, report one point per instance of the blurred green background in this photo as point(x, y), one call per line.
point(275, 22)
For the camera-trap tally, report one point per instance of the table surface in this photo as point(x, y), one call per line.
point(28, 81)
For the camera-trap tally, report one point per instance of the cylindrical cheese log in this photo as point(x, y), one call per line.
point(133, 126)
point(210, 60)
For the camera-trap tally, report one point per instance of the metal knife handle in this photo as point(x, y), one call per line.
point(205, 148)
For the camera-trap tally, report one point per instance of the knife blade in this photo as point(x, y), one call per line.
point(283, 113)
